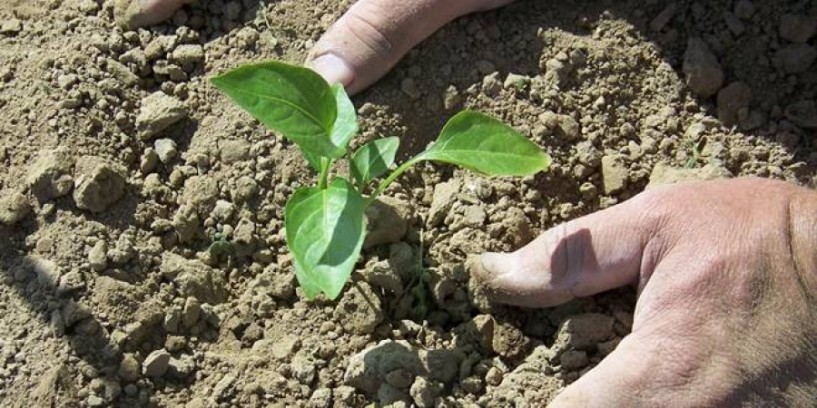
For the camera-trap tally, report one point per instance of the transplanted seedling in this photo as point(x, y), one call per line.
point(325, 224)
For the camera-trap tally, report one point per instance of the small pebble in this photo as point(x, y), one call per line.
point(156, 363)
point(703, 72)
point(409, 87)
point(11, 26)
point(796, 58)
point(13, 208)
point(187, 55)
point(744, 9)
point(166, 150)
point(797, 28)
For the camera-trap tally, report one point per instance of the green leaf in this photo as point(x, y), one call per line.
point(374, 159)
point(293, 100)
point(486, 145)
point(325, 229)
point(313, 159)
point(345, 126)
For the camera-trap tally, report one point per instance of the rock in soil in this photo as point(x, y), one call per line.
point(386, 221)
point(11, 26)
point(663, 174)
point(704, 74)
point(156, 363)
point(50, 176)
point(166, 150)
point(187, 55)
point(48, 274)
point(614, 175)
point(383, 275)
point(731, 99)
point(796, 58)
point(13, 207)
point(797, 27)
point(127, 13)
point(99, 187)
point(97, 257)
point(234, 151)
point(186, 223)
point(530, 380)
point(744, 9)
point(509, 341)
point(201, 192)
point(517, 227)
point(193, 278)
point(367, 370)
point(583, 331)
point(222, 388)
point(129, 368)
point(803, 114)
point(157, 113)
point(359, 309)
point(573, 360)
point(442, 201)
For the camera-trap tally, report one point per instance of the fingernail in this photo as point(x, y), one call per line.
point(333, 69)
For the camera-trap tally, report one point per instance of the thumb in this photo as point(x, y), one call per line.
point(661, 364)
point(585, 256)
point(618, 379)
point(373, 35)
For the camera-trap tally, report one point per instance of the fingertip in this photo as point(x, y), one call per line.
point(515, 279)
point(333, 69)
point(492, 271)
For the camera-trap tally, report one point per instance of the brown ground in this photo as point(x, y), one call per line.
point(126, 280)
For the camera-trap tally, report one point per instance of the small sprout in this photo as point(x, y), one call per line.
point(325, 224)
point(220, 248)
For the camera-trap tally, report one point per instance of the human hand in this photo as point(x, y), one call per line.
point(361, 47)
point(727, 281)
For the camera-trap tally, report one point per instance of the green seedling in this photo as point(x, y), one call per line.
point(220, 248)
point(694, 149)
point(325, 224)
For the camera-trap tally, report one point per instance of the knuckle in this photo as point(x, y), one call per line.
point(657, 200)
point(365, 24)
point(660, 210)
point(570, 252)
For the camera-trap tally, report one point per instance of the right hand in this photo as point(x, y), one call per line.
point(727, 279)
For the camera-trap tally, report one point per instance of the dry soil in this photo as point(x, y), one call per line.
point(142, 259)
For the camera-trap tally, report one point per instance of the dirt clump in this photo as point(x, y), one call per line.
point(13, 208)
point(158, 111)
point(50, 176)
point(704, 74)
point(98, 186)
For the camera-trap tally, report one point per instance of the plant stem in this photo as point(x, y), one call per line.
point(324, 176)
point(394, 175)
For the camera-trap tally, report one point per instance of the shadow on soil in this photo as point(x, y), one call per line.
point(510, 41)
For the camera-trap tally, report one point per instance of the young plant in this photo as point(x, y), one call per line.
point(325, 224)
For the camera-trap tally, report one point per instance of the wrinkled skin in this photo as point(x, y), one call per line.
point(727, 279)
point(726, 270)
